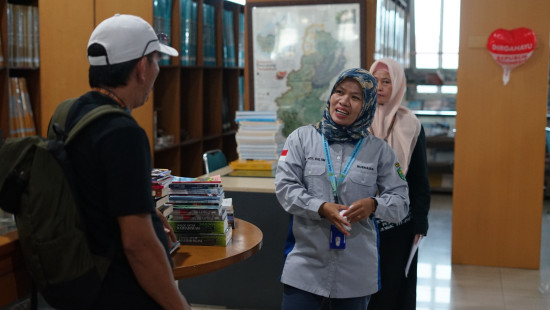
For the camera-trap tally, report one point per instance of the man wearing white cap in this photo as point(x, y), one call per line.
point(112, 162)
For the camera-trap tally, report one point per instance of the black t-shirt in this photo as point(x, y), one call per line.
point(112, 163)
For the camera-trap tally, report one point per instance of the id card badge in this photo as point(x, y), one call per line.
point(337, 238)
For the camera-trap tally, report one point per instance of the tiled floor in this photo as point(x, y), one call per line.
point(442, 286)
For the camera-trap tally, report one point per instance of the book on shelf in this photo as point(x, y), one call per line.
point(241, 91)
point(226, 118)
point(253, 164)
point(2, 63)
point(209, 34)
point(241, 41)
point(192, 227)
point(207, 239)
point(23, 40)
point(228, 39)
point(188, 17)
point(162, 23)
point(21, 117)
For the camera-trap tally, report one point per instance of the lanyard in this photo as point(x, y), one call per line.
point(333, 181)
point(110, 94)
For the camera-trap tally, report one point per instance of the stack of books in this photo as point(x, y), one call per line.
point(23, 36)
point(161, 179)
point(259, 135)
point(198, 215)
point(21, 117)
point(253, 168)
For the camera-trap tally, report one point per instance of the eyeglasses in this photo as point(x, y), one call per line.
point(161, 37)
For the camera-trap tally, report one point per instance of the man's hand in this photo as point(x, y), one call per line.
point(171, 236)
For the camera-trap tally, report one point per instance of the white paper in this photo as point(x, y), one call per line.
point(414, 248)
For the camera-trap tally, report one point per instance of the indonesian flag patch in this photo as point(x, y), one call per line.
point(283, 155)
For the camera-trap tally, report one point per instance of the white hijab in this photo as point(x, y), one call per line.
point(403, 134)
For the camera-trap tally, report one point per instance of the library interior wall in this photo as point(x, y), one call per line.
point(499, 142)
point(65, 27)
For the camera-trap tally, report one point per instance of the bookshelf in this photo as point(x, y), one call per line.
point(18, 61)
point(195, 103)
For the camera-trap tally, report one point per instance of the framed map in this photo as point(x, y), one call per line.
point(297, 53)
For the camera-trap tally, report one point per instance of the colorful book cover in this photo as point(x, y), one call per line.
point(216, 191)
point(181, 212)
point(212, 179)
point(186, 205)
point(241, 164)
point(199, 217)
point(205, 227)
point(207, 239)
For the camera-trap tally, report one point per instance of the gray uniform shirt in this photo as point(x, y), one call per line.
point(302, 185)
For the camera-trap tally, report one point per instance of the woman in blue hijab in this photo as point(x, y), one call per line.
point(332, 178)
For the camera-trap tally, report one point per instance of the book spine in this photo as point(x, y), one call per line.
point(197, 217)
point(194, 206)
point(190, 227)
point(252, 166)
point(203, 212)
point(206, 239)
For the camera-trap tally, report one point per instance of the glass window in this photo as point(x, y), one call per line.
point(437, 24)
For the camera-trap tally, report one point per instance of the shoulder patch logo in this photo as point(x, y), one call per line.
point(400, 172)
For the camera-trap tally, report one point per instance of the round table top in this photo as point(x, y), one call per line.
point(194, 260)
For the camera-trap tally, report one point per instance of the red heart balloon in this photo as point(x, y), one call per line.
point(511, 48)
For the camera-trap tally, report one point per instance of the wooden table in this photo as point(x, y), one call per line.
point(190, 261)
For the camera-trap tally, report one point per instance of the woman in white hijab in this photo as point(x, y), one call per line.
point(400, 128)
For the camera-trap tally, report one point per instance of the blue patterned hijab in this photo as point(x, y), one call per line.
point(356, 131)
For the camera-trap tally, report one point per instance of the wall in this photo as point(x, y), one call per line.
point(65, 27)
point(499, 145)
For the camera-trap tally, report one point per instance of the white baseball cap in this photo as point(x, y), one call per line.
point(126, 37)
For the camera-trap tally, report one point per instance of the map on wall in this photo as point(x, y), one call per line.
point(298, 51)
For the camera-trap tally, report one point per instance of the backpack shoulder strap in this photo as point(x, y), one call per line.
point(92, 116)
point(60, 116)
